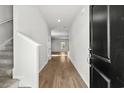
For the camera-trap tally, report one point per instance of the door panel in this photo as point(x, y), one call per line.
point(117, 38)
point(99, 30)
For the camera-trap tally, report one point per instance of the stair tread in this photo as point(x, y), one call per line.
point(8, 47)
point(6, 63)
point(6, 57)
point(5, 73)
point(7, 82)
point(6, 66)
point(6, 50)
point(10, 44)
point(6, 53)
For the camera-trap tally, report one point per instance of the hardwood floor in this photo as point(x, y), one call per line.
point(60, 73)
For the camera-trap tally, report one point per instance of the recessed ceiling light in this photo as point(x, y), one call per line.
point(59, 20)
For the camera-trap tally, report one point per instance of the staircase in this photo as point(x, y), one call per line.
point(6, 66)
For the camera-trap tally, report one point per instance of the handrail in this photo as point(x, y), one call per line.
point(5, 21)
point(28, 38)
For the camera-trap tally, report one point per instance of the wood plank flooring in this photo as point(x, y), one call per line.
point(60, 73)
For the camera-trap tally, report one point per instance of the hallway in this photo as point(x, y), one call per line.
point(40, 31)
point(60, 73)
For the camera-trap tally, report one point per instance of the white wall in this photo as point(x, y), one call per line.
point(26, 66)
point(49, 46)
point(6, 27)
point(79, 43)
point(29, 21)
point(56, 45)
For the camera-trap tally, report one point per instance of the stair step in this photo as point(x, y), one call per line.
point(9, 46)
point(10, 42)
point(9, 83)
point(6, 66)
point(6, 50)
point(7, 57)
point(6, 60)
point(7, 63)
point(6, 47)
point(6, 72)
point(6, 53)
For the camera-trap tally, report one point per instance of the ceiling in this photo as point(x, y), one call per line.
point(55, 34)
point(60, 16)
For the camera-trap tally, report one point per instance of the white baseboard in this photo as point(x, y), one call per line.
point(72, 61)
point(43, 66)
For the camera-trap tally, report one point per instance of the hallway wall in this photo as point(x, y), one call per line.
point(29, 21)
point(79, 43)
point(49, 46)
